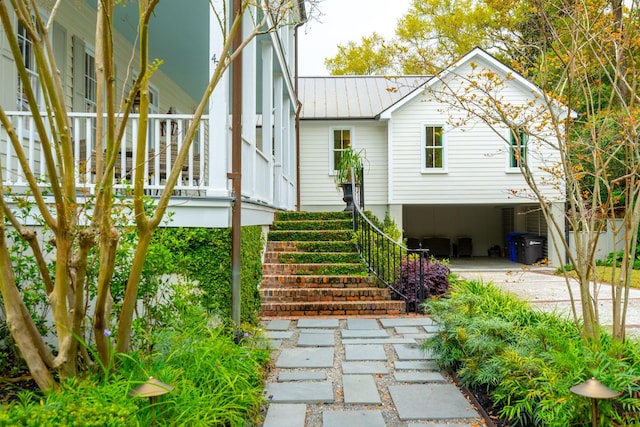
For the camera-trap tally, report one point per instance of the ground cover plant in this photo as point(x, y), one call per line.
point(526, 361)
point(217, 382)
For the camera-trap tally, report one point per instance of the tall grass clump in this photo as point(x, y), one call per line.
point(526, 361)
point(217, 375)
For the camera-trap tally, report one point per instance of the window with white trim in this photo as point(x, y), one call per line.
point(341, 139)
point(433, 148)
point(90, 82)
point(518, 140)
point(26, 49)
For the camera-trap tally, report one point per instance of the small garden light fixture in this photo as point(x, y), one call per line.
point(594, 389)
point(151, 388)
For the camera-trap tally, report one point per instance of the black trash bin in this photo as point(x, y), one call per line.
point(532, 248)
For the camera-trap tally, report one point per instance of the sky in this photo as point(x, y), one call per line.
point(344, 21)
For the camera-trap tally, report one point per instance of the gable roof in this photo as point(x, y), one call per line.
point(353, 97)
point(474, 55)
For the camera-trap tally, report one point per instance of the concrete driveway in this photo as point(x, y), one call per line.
point(549, 292)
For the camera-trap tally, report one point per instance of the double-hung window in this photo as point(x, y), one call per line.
point(433, 149)
point(90, 82)
point(518, 140)
point(26, 49)
point(341, 139)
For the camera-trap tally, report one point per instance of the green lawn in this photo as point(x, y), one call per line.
point(604, 274)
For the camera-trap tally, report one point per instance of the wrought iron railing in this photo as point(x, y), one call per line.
point(387, 259)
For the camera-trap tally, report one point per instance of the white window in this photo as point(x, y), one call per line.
point(518, 140)
point(90, 82)
point(433, 149)
point(26, 49)
point(341, 139)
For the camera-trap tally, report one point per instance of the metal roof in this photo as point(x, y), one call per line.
point(353, 97)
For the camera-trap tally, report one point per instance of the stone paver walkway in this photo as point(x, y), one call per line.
point(356, 372)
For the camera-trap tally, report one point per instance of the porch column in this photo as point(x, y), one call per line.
point(218, 153)
point(278, 86)
point(249, 73)
point(267, 113)
point(557, 256)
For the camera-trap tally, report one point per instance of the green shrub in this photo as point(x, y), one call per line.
point(215, 380)
point(204, 254)
point(528, 360)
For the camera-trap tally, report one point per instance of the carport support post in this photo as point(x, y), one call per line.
point(421, 291)
point(236, 169)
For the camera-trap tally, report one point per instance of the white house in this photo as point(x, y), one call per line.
point(187, 38)
point(439, 174)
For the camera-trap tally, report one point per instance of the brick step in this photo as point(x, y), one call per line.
point(300, 246)
point(311, 257)
point(304, 269)
point(334, 308)
point(310, 235)
point(313, 224)
point(324, 294)
point(315, 281)
point(299, 216)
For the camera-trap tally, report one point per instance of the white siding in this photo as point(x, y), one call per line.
point(476, 157)
point(317, 185)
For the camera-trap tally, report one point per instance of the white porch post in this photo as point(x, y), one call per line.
point(557, 257)
point(267, 112)
point(278, 86)
point(218, 160)
point(249, 71)
point(291, 184)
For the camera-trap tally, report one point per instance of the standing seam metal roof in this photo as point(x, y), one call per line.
point(353, 97)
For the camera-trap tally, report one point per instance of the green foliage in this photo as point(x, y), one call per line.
point(528, 360)
point(372, 56)
point(204, 254)
point(350, 160)
point(302, 216)
point(326, 246)
point(215, 380)
point(354, 269)
point(315, 258)
point(617, 258)
point(335, 224)
point(308, 236)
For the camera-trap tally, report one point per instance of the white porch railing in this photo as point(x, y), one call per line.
point(164, 138)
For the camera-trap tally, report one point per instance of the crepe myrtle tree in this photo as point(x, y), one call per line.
point(67, 288)
point(587, 112)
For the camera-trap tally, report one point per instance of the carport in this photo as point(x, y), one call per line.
point(448, 227)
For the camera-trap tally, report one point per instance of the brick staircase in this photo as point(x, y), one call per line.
point(311, 268)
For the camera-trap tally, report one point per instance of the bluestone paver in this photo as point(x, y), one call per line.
point(278, 325)
point(411, 352)
point(418, 338)
point(439, 425)
point(316, 340)
point(285, 414)
point(361, 367)
point(364, 352)
point(360, 389)
point(318, 323)
point(407, 330)
point(432, 329)
point(431, 401)
point(390, 340)
point(305, 357)
point(372, 418)
point(419, 377)
point(354, 323)
point(278, 335)
point(297, 375)
point(364, 333)
point(393, 322)
point(300, 392)
point(426, 365)
point(316, 331)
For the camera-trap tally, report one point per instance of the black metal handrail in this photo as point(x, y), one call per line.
point(384, 257)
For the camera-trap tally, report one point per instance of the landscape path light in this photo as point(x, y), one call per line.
point(594, 389)
point(151, 389)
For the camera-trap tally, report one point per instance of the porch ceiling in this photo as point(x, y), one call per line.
point(178, 34)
